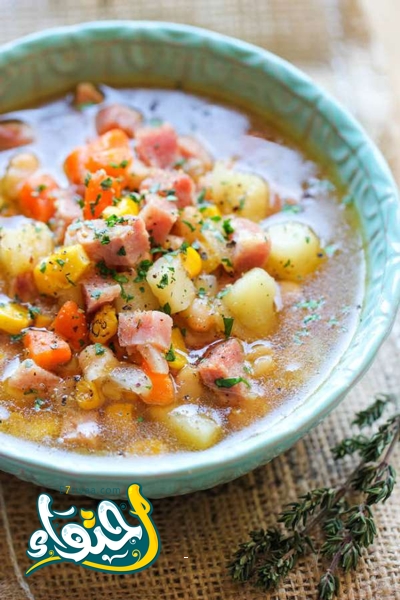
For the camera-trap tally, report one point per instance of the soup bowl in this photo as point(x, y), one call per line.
point(137, 53)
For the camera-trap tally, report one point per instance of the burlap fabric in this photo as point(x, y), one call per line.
point(329, 39)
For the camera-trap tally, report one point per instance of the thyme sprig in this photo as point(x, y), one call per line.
point(339, 518)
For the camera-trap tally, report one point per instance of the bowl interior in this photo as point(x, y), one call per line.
point(196, 60)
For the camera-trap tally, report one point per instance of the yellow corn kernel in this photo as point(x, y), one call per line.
point(87, 395)
point(61, 270)
point(192, 262)
point(125, 207)
point(118, 414)
point(42, 320)
point(179, 350)
point(13, 317)
point(210, 211)
point(104, 325)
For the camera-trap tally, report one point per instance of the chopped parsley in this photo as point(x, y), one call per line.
point(229, 382)
point(227, 262)
point(189, 225)
point(163, 281)
point(142, 270)
point(16, 337)
point(106, 183)
point(105, 239)
point(113, 220)
point(228, 324)
point(310, 318)
point(33, 311)
point(88, 178)
point(43, 267)
point(99, 349)
point(202, 196)
point(121, 165)
point(37, 405)
point(122, 251)
point(227, 227)
point(292, 208)
point(170, 355)
point(166, 308)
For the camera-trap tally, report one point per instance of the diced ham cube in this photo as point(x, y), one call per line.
point(98, 291)
point(121, 245)
point(157, 146)
point(159, 216)
point(141, 328)
point(251, 246)
point(87, 93)
point(169, 183)
point(27, 375)
point(14, 134)
point(224, 361)
point(118, 116)
point(81, 428)
point(67, 210)
point(23, 286)
point(190, 148)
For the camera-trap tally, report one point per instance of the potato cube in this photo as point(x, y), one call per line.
point(245, 194)
point(295, 251)
point(250, 300)
point(23, 242)
point(61, 270)
point(171, 284)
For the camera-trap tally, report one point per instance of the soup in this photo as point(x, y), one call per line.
point(172, 271)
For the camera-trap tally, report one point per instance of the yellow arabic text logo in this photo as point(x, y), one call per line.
point(104, 542)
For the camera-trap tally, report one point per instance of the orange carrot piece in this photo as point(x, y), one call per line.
point(75, 165)
point(36, 197)
point(162, 391)
point(101, 190)
point(111, 152)
point(70, 323)
point(46, 348)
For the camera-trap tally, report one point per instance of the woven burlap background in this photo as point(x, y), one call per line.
point(331, 40)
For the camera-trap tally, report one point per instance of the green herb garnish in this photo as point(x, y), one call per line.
point(342, 515)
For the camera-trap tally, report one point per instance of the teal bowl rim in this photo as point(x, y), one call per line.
point(302, 418)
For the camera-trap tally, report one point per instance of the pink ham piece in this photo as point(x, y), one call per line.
point(159, 216)
point(168, 183)
point(98, 291)
point(224, 361)
point(145, 327)
point(251, 247)
point(14, 134)
point(122, 245)
point(23, 286)
point(67, 211)
point(190, 148)
point(27, 375)
point(157, 146)
point(118, 116)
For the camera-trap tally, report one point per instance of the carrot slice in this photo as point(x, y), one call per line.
point(75, 165)
point(46, 348)
point(71, 324)
point(110, 152)
point(101, 190)
point(162, 391)
point(36, 197)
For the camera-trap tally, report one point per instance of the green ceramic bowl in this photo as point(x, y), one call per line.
point(135, 53)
